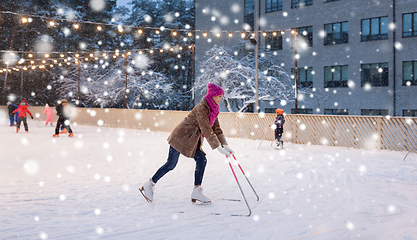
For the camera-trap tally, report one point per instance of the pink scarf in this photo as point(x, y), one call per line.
point(214, 110)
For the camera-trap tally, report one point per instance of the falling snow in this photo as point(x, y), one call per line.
point(85, 187)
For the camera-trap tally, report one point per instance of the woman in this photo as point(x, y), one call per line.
point(187, 139)
point(63, 110)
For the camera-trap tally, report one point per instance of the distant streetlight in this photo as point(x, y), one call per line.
point(294, 32)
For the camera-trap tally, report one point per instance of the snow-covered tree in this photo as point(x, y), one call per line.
point(237, 77)
point(107, 86)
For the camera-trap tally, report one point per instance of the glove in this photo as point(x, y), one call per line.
point(229, 149)
point(223, 151)
point(31, 117)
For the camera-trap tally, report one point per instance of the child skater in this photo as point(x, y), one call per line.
point(22, 109)
point(48, 112)
point(187, 139)
point(279, 122)
point(63, 110)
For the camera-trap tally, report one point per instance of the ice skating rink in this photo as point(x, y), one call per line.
point(86, 187)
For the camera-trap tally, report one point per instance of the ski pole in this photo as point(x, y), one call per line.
point(247, 179)
point(237, 181)
point(408, 152)
point(265, 136)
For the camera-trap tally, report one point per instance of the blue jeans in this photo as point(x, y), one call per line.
point(11, 118)
point(173, 155)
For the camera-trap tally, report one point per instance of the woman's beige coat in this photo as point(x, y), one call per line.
point(187, 136)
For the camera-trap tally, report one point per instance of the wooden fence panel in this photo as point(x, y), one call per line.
point(362, 132)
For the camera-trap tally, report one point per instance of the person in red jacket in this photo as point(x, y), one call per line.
point(22, 109)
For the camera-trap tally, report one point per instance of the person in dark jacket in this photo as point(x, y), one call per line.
point(63, 110)
point(11, 107)
point(23, 110)
point(187, 139)
point(279, 123)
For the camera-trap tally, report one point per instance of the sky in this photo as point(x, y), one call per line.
point(123, 2)
point(86, 187)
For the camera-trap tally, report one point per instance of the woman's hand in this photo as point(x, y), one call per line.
point(223, 151)
point(229, 149)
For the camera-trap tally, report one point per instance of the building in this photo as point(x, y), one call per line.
point(359, 56)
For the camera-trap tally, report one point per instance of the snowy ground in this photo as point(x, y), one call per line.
point(86, 188)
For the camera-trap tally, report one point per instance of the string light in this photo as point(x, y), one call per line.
point(99, 27)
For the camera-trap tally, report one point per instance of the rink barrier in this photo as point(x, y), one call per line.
point(360, 132)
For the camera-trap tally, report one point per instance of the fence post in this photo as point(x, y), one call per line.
point(379, 132)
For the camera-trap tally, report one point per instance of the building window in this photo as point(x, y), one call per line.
point(409, 73)
point(304, 76)
point(302, 111)
point(410, 25)
point(300, 3)
point(304, 32)
point(336, 112)
point(374, 112)
point(273, 5)
point(336, 76)
point(374, 29)
point(270, 110)
point(273, 41)
point(410, 113)
point(375, 74)
point(336, 33)
point(250, 13)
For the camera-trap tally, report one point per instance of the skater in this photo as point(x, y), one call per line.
point(63, 110)
point(48, 112)
point(22, 109)
point(279, 123)
point(11, 107)
point(187, 139)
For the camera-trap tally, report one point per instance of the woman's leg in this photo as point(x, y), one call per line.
point(200, 161)
point(58, 125)
point(172, 161)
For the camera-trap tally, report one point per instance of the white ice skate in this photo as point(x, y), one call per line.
point(197, 195)
point(147, 190)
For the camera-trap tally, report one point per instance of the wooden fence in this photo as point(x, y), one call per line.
point(361, 132)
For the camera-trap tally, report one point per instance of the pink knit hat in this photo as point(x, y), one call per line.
point(214, 90)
